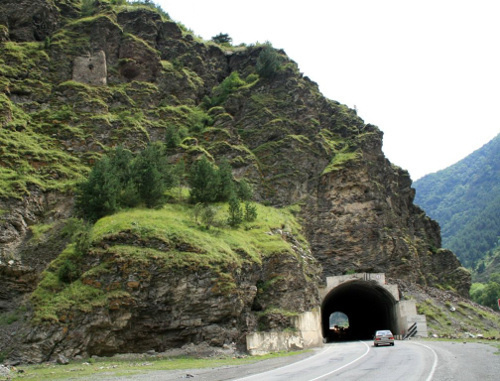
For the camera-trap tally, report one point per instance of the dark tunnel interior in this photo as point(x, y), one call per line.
point(368, 306)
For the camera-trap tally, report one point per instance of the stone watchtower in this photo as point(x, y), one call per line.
point(91, 69)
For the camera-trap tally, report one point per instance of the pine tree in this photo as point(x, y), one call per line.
point(121, 164)
point(222, 38)
point(172, 137)
point(227, 187)
point(204, 181)
point(235, 212)
point(97, 197)
point(244, 190)
point(151, 174)
point(250, 212)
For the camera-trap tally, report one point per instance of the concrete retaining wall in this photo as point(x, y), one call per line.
point(307, 334)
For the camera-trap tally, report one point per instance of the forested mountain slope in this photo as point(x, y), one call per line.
point(465, 200)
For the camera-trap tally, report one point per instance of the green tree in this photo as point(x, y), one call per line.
point(222, 38)
point(97, 197)
point(172, 137)
point(227, 186)
point(487, 294)
point(151, 174)
point(268, 62)
point(235, 212)
point(250, 212)
point(244, 190)
point(121, 164)
point(204, 181)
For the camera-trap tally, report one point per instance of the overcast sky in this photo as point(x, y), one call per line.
point(427, 73)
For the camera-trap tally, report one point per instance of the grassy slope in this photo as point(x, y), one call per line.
point(189, 244)
point(138, 365)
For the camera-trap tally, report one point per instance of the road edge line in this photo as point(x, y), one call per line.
point(346, 365)
point(325, 349)
point(434, 366)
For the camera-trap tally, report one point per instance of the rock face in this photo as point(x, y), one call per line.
point(125, 75)
point(29, 20)
point(154, 304)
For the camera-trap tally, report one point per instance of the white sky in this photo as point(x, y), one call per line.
point(427, 73)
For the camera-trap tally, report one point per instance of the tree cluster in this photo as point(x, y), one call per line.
point(487, 294)
point(210, 183)
point(122, 179)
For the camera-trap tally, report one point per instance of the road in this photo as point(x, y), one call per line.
point(359, 361)
point(408, 360)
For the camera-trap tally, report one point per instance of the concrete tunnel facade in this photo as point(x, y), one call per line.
point(367, 305)
point(365, 298)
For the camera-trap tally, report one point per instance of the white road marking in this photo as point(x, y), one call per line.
point(284, 366)
point(434, 366)
point(346, 365)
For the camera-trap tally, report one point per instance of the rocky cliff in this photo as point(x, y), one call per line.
point(76, 81)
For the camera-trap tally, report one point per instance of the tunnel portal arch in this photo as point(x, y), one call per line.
point(367, 304)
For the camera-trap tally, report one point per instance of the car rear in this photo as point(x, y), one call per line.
point(384, 337)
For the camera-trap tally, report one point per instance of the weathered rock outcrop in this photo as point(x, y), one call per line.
point(279, 132)
point(28, 20)
point(155, 302)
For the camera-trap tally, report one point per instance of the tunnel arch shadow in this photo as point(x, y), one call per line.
point(368, 306)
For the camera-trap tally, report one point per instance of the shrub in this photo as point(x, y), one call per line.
point(88, 7)
point(68, 272)
point(227, 86)
point(268, 62)
point(173, 136)
point(208, 214)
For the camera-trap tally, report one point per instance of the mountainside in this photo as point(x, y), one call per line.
point(465, 200)
point(80, 78)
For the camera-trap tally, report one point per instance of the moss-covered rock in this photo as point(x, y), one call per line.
point(157, 279)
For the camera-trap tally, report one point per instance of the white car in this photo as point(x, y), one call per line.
point(384, 337)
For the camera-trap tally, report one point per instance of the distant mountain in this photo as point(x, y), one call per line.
point(465, 199)
point(488, 266)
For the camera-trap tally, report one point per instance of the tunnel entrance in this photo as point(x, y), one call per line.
point(367, 305)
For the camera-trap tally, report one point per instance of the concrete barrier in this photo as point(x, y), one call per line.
point(306, 334)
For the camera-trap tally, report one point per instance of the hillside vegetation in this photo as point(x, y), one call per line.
point(465, 200)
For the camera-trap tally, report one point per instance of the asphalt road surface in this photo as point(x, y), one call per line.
point(359, 361)
point(407, 360)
